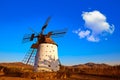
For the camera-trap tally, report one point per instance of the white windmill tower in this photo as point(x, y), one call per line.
point(46, 55)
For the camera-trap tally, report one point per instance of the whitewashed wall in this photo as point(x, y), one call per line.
point(46, 58)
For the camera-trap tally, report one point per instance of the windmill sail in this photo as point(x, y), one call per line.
point(58, 33)
point(45, 25)
point(29, 37)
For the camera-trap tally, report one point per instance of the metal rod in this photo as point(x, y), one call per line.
point(30, 56)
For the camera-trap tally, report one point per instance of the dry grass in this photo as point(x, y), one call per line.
point(78, 72)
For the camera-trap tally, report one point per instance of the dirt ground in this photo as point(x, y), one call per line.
point(20, 71)
point(73, 77)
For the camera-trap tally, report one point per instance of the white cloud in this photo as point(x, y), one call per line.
point(92, 38)
point(77, 31)
point(96, 21)
point(96, 25)
point(84, 34)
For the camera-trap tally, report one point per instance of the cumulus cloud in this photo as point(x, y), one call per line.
point(93, 38)
point(96, 25)
point(84, 34)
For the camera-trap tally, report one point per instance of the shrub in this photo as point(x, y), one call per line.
point(12, 71)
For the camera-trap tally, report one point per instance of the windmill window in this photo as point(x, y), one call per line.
point(49, 66)
point(44, 60)
point(47, 45)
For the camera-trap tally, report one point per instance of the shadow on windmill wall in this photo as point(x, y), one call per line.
point(51, 64)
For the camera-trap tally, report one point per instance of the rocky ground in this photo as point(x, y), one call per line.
point(88, 71)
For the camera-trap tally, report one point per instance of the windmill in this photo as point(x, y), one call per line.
point(43, 54)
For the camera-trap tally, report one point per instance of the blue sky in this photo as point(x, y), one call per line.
point(85, 41)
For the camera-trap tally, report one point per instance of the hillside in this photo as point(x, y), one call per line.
point(88, 71)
